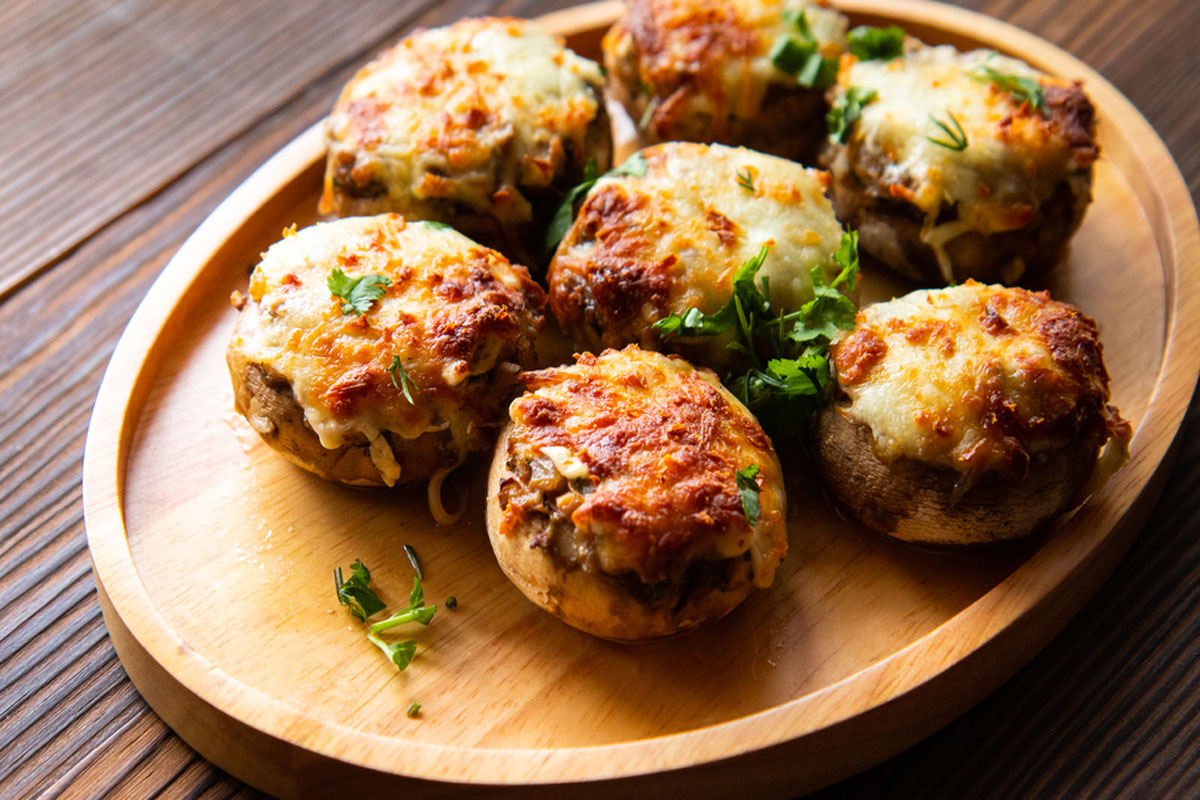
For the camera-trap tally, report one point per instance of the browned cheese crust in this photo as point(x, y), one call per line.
point(969, 415)
point(613, 500)
point(1003, 206)
point(482, 125)
point(321, 385)
point(700, 71)
point(644, 246)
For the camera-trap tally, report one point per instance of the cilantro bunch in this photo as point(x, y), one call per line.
point(788, 353)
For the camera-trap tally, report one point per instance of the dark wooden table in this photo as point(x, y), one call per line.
point(124, 122)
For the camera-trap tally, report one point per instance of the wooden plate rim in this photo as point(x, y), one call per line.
point(910, 670)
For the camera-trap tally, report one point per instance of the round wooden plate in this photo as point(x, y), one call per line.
point(214, 556)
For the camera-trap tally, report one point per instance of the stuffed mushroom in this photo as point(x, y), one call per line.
point(375, 351)
point(958, 165)
point(482, 125)
point(634, 497)
point(968, 415)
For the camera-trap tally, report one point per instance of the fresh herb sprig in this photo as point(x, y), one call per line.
point(747, 483)
point(1021, 89)
point(363, 603)
point(868, 43)
point(401, 380)
point(798, 53)
point(634, 166)
point(357, 294)
point(846, 110)
point(956, 137)
point(793, 382)
point(746, 180)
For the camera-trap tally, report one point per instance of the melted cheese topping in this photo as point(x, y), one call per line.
point(660, 443)
point(464, 114)
point(454, 313)
point(976, 377)
point(1014, 158)
point(673, 239)
point(717, 51)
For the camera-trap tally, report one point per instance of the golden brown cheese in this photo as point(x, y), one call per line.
point(976, 378)
point(460, 318)
point(652, 447)
point(700, 70)
point(645, 246)
point(1014, 160)
point(470, 119)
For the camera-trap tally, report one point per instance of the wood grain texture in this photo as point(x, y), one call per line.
point(1108, 709)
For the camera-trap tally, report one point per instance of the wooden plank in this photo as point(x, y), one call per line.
point(115, 100)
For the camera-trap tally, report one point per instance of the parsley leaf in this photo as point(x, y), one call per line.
point(432, 223)
point(416, 611)
point(794, 383)
point(747, 484)
point(790, 54)
point(846, 110)
point(400, 653)
point(876, 44)
point(401, 380)
point(1023, 90)
point(358, 294)
point(354, 592)
point(634, 166)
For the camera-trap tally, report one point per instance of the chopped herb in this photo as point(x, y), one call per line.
point(1023, 90)
point(413, 709)
point(956, 138)
point(747, 483)
point(400, 653)
point(846, 110)
point(799, 54)
point(635, 166)
point(432, 223)
point(416, 562)
point(451, 602)
point(358, 294)
point(364, 603)
point(746, 181)
point(354, 592)
point(793, 383)
point(416, 611)
point(789, 54)
point(401, 380)
point(876, 44)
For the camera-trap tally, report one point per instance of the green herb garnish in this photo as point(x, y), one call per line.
point(416, 562)
point(401, 380)
point(746, 181)
point(747, 483)
point(956, 138)
point(413, 709)
point(868, 43)
point(798, 54)
point(793, 383)
point(634, 166)
point(357, 294)
point(354, 592)
point(1023, 90)
point(451, 602)
point(363, 603)
point(846, 110)
point(433, 223)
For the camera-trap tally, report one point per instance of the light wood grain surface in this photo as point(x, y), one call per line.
point(131, 121)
